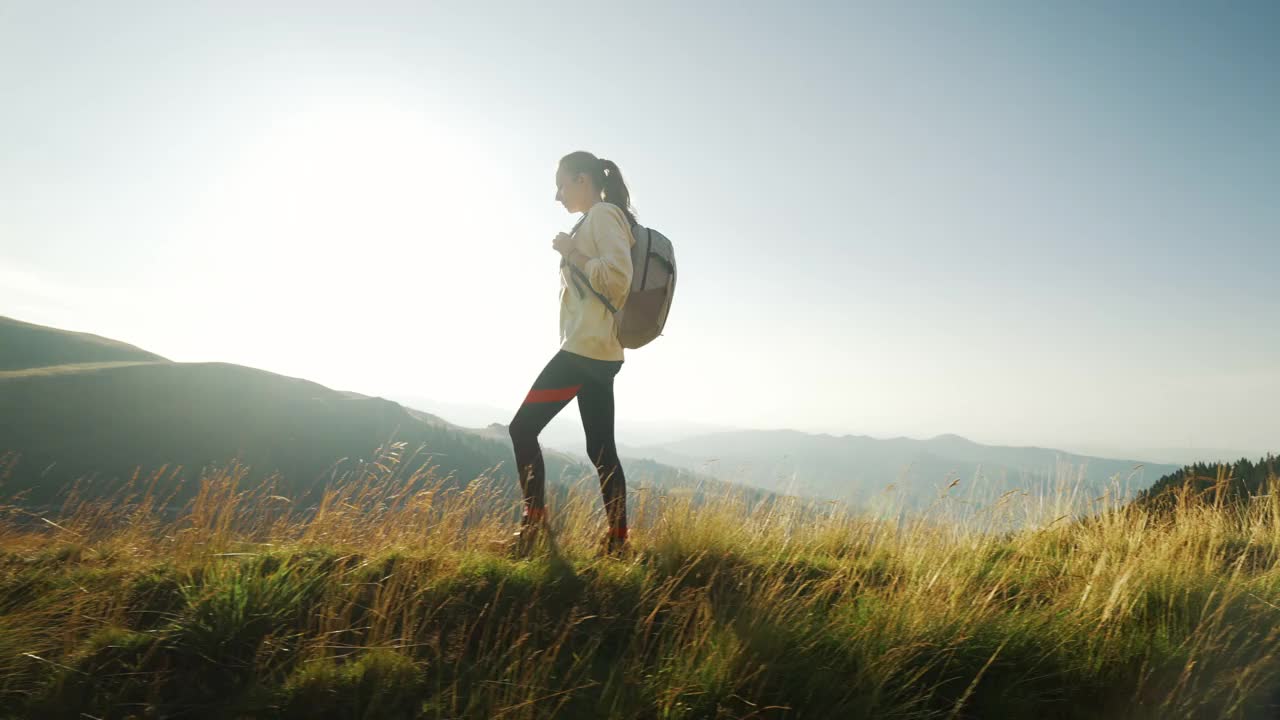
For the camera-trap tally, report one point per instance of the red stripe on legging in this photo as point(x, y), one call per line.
point(554, 395)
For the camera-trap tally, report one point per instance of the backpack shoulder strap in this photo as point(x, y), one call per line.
point(580, 278)
point(564, 261)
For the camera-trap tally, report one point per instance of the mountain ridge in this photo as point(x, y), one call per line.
point(67, 402)
point(29, 345)
point(67, 414)
point(854, 468)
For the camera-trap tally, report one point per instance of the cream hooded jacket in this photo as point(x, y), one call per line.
point(587, 327)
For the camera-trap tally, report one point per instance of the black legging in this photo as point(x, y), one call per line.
point(591, 381)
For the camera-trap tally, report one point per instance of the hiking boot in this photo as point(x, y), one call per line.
point(522, 543)
point(614, 545)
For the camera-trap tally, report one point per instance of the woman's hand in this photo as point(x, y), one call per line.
point(563, 244)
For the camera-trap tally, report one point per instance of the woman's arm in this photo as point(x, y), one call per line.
point(610, 271)
point(578, 258)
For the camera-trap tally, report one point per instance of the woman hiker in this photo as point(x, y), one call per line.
point(597, 253)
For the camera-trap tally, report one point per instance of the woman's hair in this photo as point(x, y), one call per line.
point(605, 175)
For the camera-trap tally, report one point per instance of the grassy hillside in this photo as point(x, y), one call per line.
point(78, 408)
point(386, 604)
point(107, 419)
point(23, 345)
point(287, 586)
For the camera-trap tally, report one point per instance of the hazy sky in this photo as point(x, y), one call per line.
point(1027, 223)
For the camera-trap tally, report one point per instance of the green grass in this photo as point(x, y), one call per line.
point(388, 605)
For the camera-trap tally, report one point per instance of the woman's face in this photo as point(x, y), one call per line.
point(573, 190)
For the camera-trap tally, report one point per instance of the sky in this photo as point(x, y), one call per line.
point(1051, 224)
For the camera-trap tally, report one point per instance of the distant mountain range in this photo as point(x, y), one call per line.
point(74, 404)
point(860, 469)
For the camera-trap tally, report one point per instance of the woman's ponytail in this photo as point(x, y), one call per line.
point(614, 190)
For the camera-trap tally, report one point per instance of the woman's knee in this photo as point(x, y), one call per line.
point(603, 454)
point(522, 432)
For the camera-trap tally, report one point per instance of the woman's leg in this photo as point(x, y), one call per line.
point(555, 386)
point(595, 404)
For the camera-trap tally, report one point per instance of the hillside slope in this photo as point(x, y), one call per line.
point(74, 405)
point(24, 345)
point(106, 419)
point(80, 416)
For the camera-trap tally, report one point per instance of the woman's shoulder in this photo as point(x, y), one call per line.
point(606, 208)
point(607, 220)
point(603, 214)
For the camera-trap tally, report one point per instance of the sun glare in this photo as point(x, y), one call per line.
point(351, 214)
point(331, 181)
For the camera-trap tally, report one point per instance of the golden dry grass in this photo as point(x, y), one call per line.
point(384, 601)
